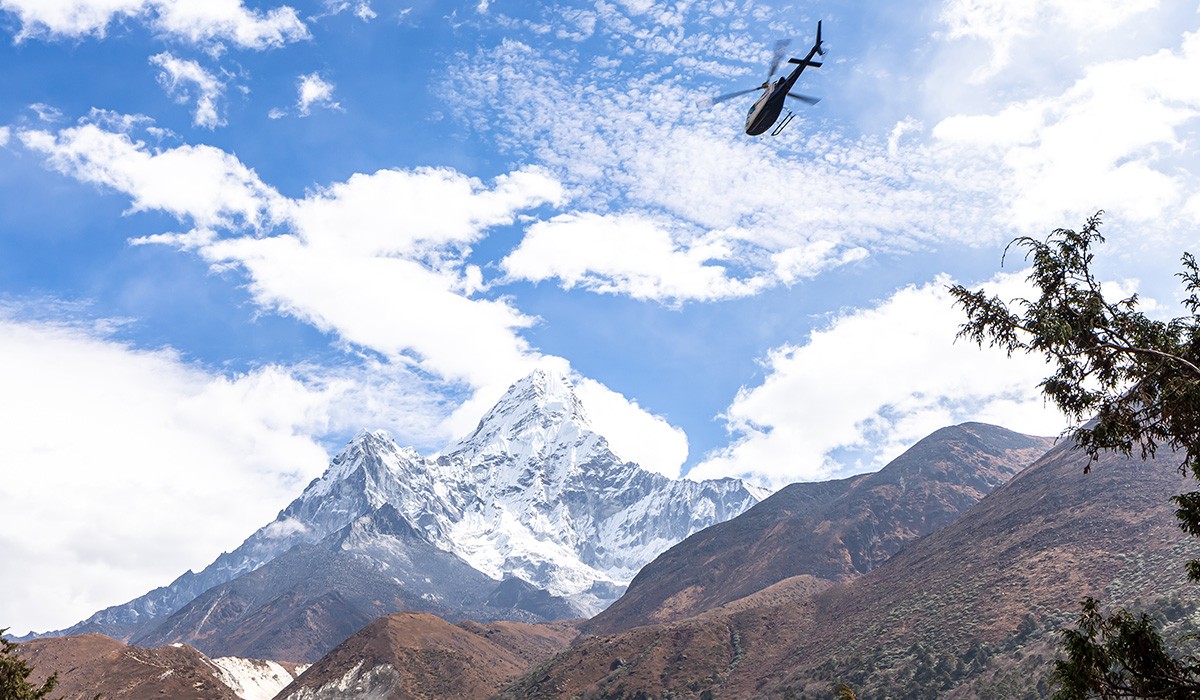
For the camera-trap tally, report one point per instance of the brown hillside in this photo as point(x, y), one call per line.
point(968, 611)
point(833, 530)
point(92, 663)
point(417, 655)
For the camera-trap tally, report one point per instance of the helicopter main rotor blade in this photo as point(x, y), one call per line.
point(780, 49)
point(709, 102)
point(805, 98)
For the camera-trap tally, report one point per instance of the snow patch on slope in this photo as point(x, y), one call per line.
point(254, 679)
point(356, 684)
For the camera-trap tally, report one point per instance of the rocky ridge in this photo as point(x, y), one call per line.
point(533, 493)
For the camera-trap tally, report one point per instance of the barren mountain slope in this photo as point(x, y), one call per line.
point(833, 530)
point(415, 655)
point(93, 664)
point(968, 611)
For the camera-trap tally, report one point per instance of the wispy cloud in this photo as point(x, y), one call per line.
point(187, 81)
point(785, 209)
point(313, 90)
point(361, 8)
point(1002, 24)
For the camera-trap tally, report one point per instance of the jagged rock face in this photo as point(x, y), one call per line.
point(533, 493)
point(304, 602)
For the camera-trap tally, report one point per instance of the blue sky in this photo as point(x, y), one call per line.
point(235, 233)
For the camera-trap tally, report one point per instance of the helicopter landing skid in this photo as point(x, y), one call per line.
point(783, 124)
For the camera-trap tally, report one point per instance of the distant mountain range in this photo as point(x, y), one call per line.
point(531, 517)
point(948, 573)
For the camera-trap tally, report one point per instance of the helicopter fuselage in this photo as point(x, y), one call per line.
point(766, 109)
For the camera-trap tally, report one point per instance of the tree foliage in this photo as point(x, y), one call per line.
point(1121, 656)
point(1136, 382)
point(1136, 378)
point(15, 672)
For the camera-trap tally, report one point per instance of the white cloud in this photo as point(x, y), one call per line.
point(312, 90)
point(361, 8)
point(877, 380)
point(356, 255)
point(392, 305)
point(631, 255)
point(637, 7)
point(364, 12)
point(180, 77)
point(5, 134)
point(200, 183)
point(283, 528)
point(196, 22)
point(46, 113)
point(1116, 139)
point(415, 213)
point(633, 433)
point(117, 459)
point(379, 260)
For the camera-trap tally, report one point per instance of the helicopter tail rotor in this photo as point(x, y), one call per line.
point(820, 47)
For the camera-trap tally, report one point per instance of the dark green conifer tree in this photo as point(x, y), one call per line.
point(15, 672)
point(1132, 385)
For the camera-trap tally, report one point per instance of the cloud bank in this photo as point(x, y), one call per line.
point(871, 383)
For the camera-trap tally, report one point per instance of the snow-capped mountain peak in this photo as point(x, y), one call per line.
point(538, 410)
point(533, 492)
point(374, 452)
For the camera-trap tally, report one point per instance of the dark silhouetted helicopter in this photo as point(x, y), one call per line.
point(767, 108)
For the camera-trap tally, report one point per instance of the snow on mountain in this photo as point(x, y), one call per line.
point(254, 679)
point(553, 504)
point(533, 492)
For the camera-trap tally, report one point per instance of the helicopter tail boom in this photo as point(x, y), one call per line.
point(818, 49)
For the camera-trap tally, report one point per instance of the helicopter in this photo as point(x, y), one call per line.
point(766, 109)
